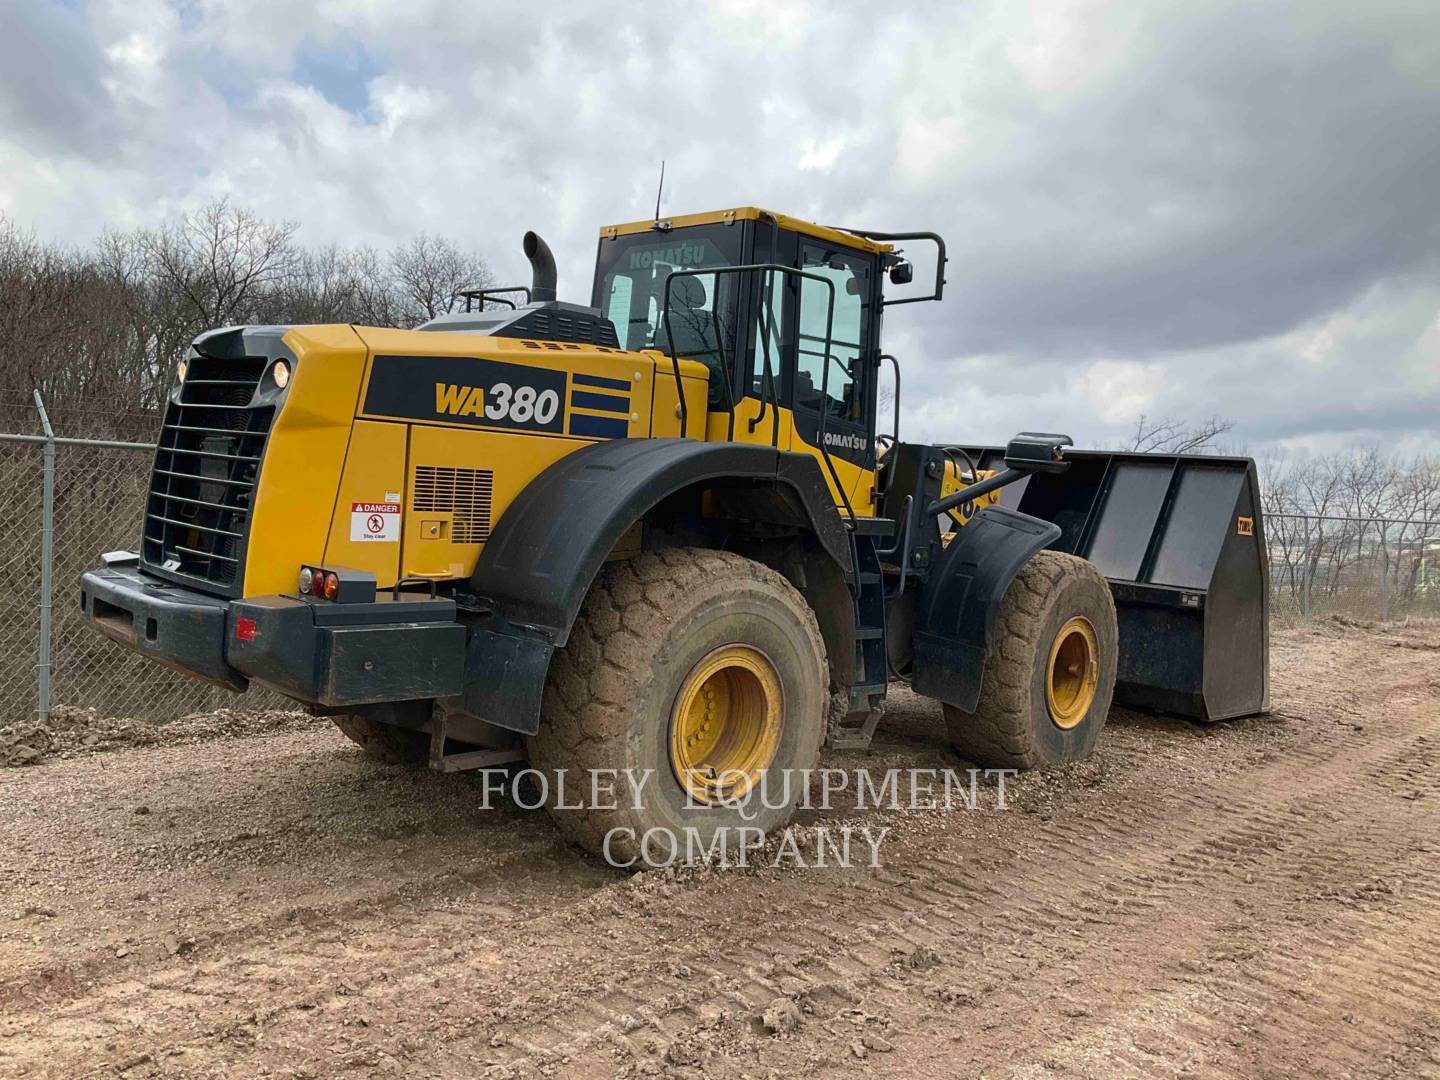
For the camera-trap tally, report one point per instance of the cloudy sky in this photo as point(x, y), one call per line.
point(1177, 209)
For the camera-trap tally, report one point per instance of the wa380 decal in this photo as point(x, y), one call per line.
point(521, 404)
point(467, 390)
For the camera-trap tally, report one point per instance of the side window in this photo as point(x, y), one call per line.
point(844, 395)
point(769, 331)
point(617, 307)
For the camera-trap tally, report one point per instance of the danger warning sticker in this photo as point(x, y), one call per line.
point(375, 521)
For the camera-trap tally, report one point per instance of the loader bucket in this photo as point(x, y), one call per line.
point(1181, 541)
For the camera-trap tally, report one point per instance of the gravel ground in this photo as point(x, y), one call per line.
point(247, 894)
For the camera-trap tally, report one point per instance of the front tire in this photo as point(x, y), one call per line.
point(1049, 679)
point(703, 669)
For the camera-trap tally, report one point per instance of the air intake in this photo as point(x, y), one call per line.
point(465, 494)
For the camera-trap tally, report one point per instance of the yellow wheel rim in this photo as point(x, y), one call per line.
point(1074, 673)
point(725, 726)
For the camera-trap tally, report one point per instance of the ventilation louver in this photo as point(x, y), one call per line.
point(463, 493)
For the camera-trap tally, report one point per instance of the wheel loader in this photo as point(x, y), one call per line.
point(668, 531)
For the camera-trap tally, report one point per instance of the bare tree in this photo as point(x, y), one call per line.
point(100, 331)
point(221, 260)
point(430, 272)
point(1170, 436)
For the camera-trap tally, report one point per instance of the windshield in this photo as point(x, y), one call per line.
point(630, 291)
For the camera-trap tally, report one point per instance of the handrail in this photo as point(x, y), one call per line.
point(903, 546)
point(896, 365)
point(715, 272)
point(940, 261)
point(767, 374)
point(767, 369)
point(724, 370)
point(488, 295)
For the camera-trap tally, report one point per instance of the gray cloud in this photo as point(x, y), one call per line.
point(51, 92)
point(1205, 208)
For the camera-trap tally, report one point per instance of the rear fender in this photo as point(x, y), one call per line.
point(545, 551)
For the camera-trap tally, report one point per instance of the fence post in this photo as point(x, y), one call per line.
point(47, 558)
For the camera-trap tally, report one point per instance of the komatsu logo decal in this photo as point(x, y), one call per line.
point(467, 390)
point(835, 440)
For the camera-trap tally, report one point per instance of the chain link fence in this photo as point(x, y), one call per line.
point(1373, 568)
point(1363, 567)
point(97, 505)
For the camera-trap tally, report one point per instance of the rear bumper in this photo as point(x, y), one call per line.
point(314, 651)
point(177, 627)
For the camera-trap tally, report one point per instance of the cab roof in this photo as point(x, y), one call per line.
point(750, 213)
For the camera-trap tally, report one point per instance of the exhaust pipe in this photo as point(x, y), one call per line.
point(542, 268)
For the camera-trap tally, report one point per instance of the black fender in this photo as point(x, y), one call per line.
point(546, 549)
point(959, 605)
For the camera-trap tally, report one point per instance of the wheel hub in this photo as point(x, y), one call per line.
point(1073, 673)
point(725, 726)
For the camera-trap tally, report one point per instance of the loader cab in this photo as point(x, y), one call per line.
point(767, 335)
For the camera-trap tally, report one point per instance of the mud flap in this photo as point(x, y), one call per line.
point(958, 607)
point(504, 680)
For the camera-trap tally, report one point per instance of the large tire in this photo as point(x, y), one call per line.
point(389, 743)
point(651, 627)
point(1042, 630)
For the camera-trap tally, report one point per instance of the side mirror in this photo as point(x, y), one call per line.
point(1038, 451)
point(902, 273)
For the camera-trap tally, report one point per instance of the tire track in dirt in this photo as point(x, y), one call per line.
point(1339, 842)
point(1186, 865)
point(935, 905)
point(938, 939)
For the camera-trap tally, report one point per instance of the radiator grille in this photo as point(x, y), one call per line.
point(463, 493)
point(207, 463)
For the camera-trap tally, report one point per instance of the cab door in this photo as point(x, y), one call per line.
point(838, 384)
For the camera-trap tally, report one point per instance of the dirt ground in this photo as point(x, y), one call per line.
point(1259, 898)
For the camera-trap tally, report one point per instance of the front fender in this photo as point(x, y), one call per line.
point(957, 610)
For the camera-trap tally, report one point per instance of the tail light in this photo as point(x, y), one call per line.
point(318, 582)
point(338, 583)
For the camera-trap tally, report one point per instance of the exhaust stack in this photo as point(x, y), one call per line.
point(543, 278)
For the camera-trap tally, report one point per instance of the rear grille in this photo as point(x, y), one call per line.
point(207, 463)
point(463, 493)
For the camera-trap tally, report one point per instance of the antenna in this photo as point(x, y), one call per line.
point(659, 191)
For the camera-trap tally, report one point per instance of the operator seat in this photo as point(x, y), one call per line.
point(693, 328)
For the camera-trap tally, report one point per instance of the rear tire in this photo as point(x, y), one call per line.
point(389, 743)
point(686, 647)
point(1048, 682)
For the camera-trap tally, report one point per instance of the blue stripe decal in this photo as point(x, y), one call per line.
point(599, 427)
point(580, 399)
point(596, 380)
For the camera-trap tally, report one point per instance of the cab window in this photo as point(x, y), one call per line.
point(630, 291)
point(844, 394)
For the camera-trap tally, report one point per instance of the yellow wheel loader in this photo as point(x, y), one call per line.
point(661, 532)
